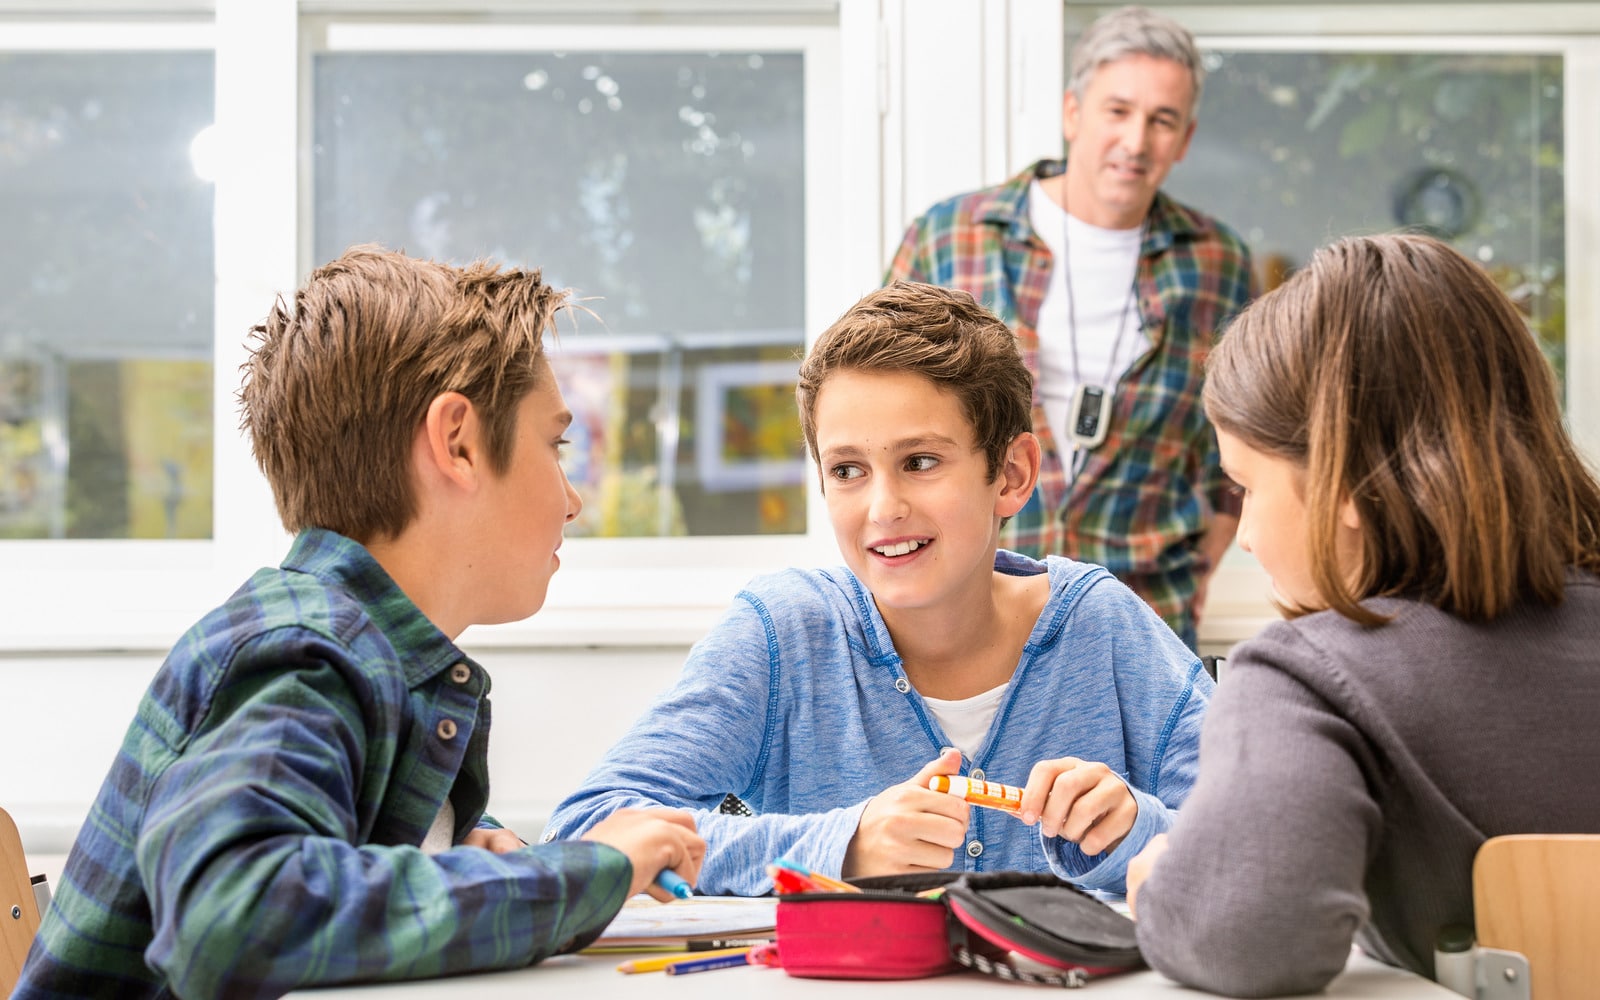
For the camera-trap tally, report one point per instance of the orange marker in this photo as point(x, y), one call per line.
point(991, 794)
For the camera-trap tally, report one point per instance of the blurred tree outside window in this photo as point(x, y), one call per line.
point(106, 287)
point(666, 190)
point(1294, 149)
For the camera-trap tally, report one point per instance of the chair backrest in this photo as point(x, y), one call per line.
point(1539, 894)
point(19, 915)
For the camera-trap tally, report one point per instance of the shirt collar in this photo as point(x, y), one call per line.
point(347, 565)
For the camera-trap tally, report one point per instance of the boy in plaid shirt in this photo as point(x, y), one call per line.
point(299, 800)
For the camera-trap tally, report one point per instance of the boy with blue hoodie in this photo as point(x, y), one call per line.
point(825, 700)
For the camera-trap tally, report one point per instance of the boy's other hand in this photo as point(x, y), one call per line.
point(653, 839)
point(1081, 800)
point(492, 839)
point(909, 827)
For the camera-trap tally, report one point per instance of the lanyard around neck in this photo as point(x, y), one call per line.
point(1072, 298)
point(1090, 415)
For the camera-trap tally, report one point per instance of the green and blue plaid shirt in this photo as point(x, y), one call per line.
point(258, 831)
point(1143, 498)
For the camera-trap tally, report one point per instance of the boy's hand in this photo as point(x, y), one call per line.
point(653, 839)
point(908, 827)
point(1081, 800)
point(1139, 869)
point(491, 839)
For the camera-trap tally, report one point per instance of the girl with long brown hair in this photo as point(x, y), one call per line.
point(1433, 538)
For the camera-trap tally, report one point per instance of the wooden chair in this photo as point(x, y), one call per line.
point(1539, 894)
point(19, 914)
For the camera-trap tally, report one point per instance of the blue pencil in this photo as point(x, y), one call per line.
point(707, 964)
point(674, 883)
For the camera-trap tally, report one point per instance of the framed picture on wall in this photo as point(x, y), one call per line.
point(746, 426)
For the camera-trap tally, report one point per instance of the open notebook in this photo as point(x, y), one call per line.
point(686, 924)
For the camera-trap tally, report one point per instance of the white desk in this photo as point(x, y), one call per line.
point(594, 977)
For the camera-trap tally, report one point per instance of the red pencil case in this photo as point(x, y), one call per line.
point(885, 931)
point(888, 932)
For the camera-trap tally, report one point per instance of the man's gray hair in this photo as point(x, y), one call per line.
point(1135, 31)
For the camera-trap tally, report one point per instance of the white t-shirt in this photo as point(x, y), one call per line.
point(441, 834)
point(966, 722)
point(1103, 263)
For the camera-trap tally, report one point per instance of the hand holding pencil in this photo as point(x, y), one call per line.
point(655, 841)
point(908, 827)
point(1083, 801)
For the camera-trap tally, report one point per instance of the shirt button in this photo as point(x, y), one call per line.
point(549, 835)
point(974, 848)
point(446, 729)
point(902, 685)
point(461, 673)
point(977, 774)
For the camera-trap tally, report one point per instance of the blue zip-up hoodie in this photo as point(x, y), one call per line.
point(798, 704)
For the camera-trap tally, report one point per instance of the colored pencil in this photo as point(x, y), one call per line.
point(662, 961)
point(707, 964)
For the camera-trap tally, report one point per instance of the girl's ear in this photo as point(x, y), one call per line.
point(1349, 517)
point(1019, 474)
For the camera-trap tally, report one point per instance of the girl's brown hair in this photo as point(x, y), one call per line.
point(1396, 374)
point(336, 387)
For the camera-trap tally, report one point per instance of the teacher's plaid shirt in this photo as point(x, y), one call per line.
point(258, 831)
point(1143, 497)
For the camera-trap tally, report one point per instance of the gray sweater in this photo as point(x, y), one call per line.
point(1348, 775)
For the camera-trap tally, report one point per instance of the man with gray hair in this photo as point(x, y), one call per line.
point(1116, 293)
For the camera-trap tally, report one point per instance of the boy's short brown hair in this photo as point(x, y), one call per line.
point(941, 334)
point(335, 388)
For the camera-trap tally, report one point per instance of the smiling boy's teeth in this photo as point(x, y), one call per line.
point(899, 549)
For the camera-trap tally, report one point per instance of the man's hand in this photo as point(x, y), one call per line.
point(653, 839)
point(491, 839)
point(1139, 868)
point(909, 827)
point(1083, 801)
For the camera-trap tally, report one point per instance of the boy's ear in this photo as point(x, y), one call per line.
point(451, 440)
point(1019, 474)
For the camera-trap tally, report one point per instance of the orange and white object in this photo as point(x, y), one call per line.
point(990, 794)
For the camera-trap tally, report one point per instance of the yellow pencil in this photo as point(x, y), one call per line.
point(661, 962)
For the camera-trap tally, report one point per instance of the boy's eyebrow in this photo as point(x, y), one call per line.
point(904, 444)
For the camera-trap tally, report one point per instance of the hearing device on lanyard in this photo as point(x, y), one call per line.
point(1091, 413)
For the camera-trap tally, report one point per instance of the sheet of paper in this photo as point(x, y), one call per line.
point(643, 920)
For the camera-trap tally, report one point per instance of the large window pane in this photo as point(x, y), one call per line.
point(1296, 148)
point(666, 189)
point(105, 295)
